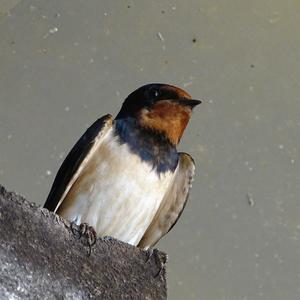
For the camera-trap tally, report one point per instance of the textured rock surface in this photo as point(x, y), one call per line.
point(41, 259)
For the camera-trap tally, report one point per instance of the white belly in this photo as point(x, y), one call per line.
point(116, 193)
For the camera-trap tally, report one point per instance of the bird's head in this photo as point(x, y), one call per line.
point(163, 108)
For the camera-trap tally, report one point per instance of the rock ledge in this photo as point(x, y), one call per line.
point(41, 259)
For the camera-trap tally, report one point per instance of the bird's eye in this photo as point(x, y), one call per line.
point(151, 96)
point(153, 93)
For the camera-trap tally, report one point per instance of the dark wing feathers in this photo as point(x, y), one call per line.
point(172, 204)
point(74, 160)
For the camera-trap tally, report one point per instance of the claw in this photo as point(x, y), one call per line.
point(75, 230)
point(91, 238)
point(149, 254)
point(107, 238)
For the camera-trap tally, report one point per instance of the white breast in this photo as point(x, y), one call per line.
point(116, 193)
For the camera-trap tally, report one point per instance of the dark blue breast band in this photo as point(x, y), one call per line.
point(152, 147)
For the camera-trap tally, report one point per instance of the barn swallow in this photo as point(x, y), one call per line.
point(124, 176)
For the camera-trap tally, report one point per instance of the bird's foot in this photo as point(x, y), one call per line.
point(160, 260)
point(87, 231)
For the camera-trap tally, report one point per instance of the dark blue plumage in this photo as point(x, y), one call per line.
point(150, 146)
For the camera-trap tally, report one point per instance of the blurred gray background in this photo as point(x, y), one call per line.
point(64, 63)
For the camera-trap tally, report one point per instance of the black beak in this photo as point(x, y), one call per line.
point(188, 102)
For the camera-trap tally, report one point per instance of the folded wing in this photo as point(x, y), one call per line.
point(173, 202)
point(76, 160)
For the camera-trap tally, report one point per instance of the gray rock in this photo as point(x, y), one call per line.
point(42, 259)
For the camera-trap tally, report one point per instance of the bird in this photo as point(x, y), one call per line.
point(124, 177)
